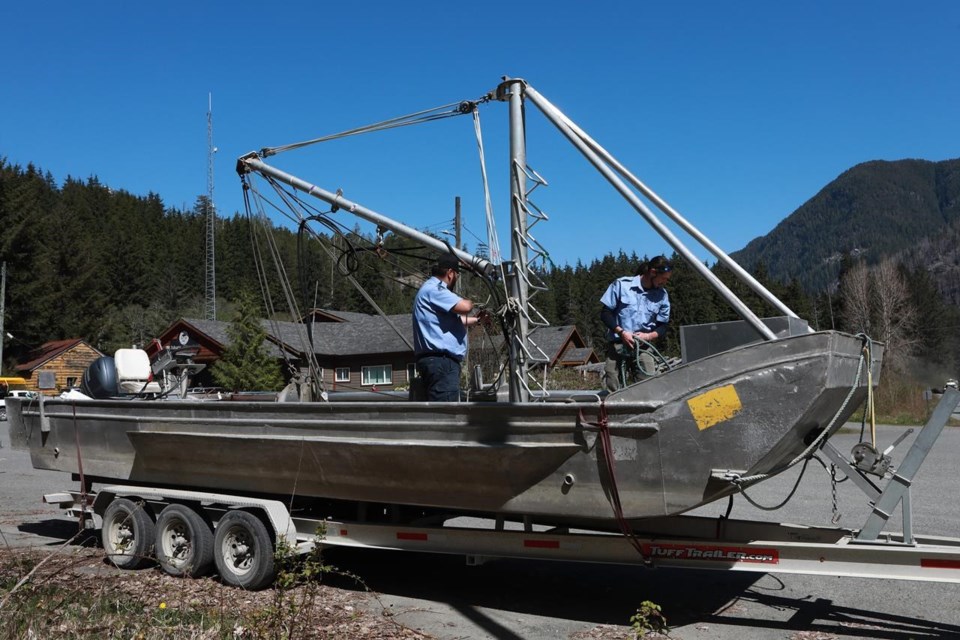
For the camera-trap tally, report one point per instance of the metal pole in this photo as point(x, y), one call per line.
point(3, 297)
point(708, 244)
point(456, 221)
point(211, 272)
point(253, 163)
point(739, 307)
point(518, 248)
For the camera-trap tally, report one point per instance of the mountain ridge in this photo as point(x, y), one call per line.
point(873, 210)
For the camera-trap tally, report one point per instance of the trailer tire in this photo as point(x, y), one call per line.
point(127, 534)
point(184, 544)
point(244, 551)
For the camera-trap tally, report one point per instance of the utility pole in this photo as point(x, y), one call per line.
point(211, 280)
point(456, 222)
point(3, 297)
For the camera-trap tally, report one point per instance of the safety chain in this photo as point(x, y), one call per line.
point(833, 491)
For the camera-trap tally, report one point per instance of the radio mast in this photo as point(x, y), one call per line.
point(211, 280)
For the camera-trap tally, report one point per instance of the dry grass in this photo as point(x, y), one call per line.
point(75, 593)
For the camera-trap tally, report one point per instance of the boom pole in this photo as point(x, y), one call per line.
point(252, 163)
point(559, 121)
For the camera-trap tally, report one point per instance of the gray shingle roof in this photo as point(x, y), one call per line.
point(551, 339)
point(367, 334)
point(217, 329)
point(361, 334)
point(348, 316)
point(575, 354)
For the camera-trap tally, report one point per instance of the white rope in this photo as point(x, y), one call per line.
point(492, 240)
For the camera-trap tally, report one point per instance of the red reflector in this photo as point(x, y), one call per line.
point(542, 544)
point(343, 532)
point(412, 536)
point(939, 564)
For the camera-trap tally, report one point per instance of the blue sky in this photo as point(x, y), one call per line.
point(735, 113)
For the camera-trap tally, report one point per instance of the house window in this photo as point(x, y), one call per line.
point(380, 374)
point(342, 374)
point(412, 372)
point(71, 382)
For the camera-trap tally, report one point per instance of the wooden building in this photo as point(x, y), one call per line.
point(58, 365)
point(356, 351)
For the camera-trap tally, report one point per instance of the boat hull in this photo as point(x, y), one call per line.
point(750, 411)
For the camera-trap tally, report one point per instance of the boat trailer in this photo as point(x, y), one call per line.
point(244, 549)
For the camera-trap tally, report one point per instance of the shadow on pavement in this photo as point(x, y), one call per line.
point(57, 531)
point(584, 592)
point(822, 615)
point(610, 594)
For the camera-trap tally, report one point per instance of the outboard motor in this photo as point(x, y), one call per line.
point(100, 379)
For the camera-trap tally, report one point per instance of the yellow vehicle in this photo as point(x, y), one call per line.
point(11, 383)
point(9, 386)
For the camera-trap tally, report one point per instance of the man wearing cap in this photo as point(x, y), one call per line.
point(634, 309)
point(440, 324)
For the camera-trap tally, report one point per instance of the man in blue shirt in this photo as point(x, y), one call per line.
point(440, 324)
point(635, 308)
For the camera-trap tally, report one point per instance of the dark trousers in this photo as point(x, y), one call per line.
point(441, 377)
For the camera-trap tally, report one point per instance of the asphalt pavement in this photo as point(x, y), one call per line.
point(535, 600)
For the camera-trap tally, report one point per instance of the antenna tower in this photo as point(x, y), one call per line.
point(211, 280)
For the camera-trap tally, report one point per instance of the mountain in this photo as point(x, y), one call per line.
point(874, 210)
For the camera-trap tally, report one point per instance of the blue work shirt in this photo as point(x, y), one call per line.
point(637, 309)
point(437, 329)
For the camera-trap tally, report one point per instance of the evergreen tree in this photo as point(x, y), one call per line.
point(245, 365)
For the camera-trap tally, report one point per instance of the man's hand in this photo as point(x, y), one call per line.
point(629, 338)
point(484, 318)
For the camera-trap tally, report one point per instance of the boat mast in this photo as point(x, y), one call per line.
point(516, 269)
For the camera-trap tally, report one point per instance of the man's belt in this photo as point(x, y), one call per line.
point(437, 354)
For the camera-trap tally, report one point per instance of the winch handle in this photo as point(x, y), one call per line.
point(897, 441)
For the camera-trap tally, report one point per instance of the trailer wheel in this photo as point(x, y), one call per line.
point(243, 551)
point(184, 544)
point(127, 534)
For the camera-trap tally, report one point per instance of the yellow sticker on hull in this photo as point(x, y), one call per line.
point(714, 406)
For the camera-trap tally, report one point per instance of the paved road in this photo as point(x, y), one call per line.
point(526, 600)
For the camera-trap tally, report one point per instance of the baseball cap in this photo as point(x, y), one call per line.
point(448, 261)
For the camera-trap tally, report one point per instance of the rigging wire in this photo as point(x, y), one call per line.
point(352, 264)
point(341, 231)
point(493, 242)
point(427, 115)
point(348, 262)
point(261, 227)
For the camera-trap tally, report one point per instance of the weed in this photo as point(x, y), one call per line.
point(648, 619)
